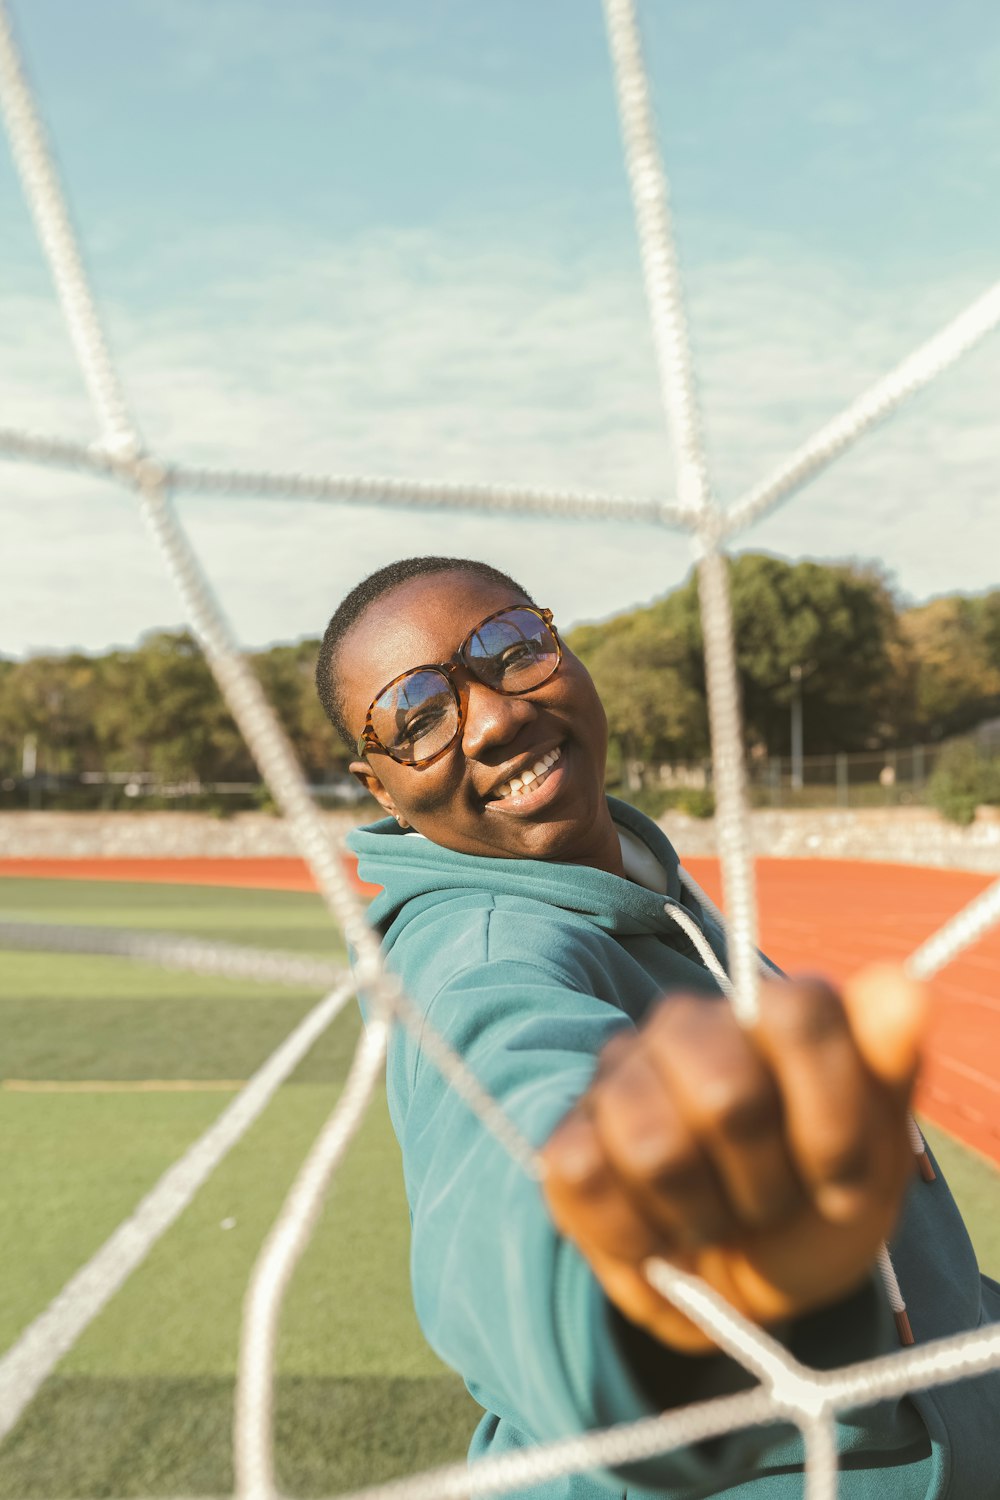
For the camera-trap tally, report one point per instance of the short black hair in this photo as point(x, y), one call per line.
point(365, 594)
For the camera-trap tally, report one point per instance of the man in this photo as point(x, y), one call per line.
point(538, 926)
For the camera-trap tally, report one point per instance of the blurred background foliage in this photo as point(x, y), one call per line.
point(871, 674)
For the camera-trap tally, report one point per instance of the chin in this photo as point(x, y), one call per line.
point(556, 840)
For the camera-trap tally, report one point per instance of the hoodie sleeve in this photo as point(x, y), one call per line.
point(501, 1296)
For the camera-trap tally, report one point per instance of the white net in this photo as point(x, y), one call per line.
point(788, 1390)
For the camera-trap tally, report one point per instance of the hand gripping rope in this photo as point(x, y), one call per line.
point(788, 1391)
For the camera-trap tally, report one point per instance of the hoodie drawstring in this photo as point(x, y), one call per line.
point(693, 931)
point(699, 941)
point(924, 1162)
point(890, 1282)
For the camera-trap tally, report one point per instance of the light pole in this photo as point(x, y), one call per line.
point(29, 767)
point(796, 675)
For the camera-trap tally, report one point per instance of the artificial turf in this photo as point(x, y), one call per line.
point(360, 1393)
point(264, 919)
point(143, 1403)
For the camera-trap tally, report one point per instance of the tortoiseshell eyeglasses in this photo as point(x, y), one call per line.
point(419, 715)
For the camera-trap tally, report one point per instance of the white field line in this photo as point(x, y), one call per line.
point(121, 1085)
point(30, 1360)
point(973, 1075)
point(194, 955)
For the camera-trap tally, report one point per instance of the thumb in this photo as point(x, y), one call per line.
point(888, 1012)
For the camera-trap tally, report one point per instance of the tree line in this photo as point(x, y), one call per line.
point(872, 674)
point(154, 709)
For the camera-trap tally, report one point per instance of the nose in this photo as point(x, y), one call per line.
point(492, 719)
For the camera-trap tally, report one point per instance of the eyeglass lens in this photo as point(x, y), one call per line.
point(418, 716)
point(515, 651)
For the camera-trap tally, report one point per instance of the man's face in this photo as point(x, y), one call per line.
point(457, 801)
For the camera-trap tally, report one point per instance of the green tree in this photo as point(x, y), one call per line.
point(52, 698)
point(870, 676)
point(837, 623)
point(170, 717)
point(286, 674)
point(955, 646)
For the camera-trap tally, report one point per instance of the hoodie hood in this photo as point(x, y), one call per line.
point(410, 868)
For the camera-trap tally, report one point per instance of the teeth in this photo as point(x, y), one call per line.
point(518, 783)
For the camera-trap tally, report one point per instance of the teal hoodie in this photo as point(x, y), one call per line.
point(528, 969)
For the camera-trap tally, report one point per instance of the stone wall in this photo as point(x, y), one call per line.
point(904, 835)
point(152, 835)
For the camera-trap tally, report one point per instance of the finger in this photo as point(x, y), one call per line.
point(613, 1051)
point(721, 1087)
point(632, 1292)
point(656, 1154)
point(888, 1012)
point(830, 1101)
point(587, 1198)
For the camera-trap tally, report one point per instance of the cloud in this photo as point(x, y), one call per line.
point(304, 50)
point(416, 353)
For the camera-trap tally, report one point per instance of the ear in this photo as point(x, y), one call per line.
point(363, 771)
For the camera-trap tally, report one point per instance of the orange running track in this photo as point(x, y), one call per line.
point(828, 916)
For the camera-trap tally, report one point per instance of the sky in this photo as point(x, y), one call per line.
point(397, 240)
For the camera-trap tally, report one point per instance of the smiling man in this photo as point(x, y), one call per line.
point(543, 929)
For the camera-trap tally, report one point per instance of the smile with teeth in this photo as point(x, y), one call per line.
point(530, 779)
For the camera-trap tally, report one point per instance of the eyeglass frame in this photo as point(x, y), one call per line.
point(368, 739)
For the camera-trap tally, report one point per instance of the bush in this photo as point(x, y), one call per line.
point(654, 801)
point(963, 778)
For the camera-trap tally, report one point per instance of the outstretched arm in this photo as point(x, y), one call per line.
point(550, 1329)
point(772, 1162)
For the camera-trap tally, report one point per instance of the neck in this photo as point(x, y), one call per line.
point(600, 847)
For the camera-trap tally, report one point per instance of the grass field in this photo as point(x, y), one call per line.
point(143, 1404)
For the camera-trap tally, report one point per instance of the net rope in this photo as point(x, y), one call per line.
point(788, 1391)
point(193, 955)
point(32, 1357)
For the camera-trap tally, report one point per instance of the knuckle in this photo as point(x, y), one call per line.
point(640, 1139)
point(688, 1026)
point(680, 1174)
point(843, 1161)
point(623, 1089)
point(737, 1114)
point(649, 1154)
point(676, 1015)
point(573, 1156)
point(804, 1015)
point(614, 1053)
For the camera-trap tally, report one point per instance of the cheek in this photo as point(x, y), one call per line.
point(423, 792)
point(580, 701)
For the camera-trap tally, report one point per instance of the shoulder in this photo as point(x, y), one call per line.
point(435, 941)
